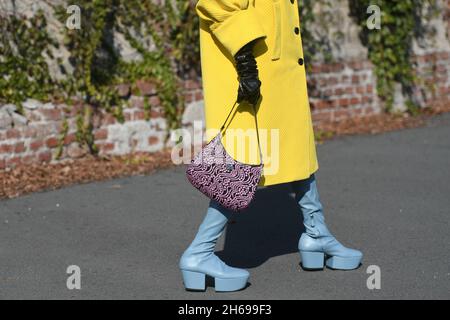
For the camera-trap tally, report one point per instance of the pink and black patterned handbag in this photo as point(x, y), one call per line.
point(216, 174)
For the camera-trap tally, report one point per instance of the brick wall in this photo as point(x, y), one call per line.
point(34, 136)
point(346, 90)
point(342, 90)
point(433, 73)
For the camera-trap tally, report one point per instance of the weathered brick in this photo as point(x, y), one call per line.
point(6, 148)
point(322, 82)
point(123, 90)
point(316, 68)
point(360, 90)
point(127, 116)
point(52, 114)
point(69, 138)
point(337, 67)
point(137, 102)
point(366, 100)
point(154, 101)
point(156, 113)
point(312, 82)
point(42, 130)
point(191, 84)
point(109, 119)
point(76, 108)
point(322, 116)
point(12, 162)
point(349, 90)
point(13, 133)
point(34, 115)
point(335, 103)
point(369, 111)
point(356, 65)
point(97, 119)
point(51, 142)
point(339, 91)
point(19, 147)
point(139, 115)
point(74, 150)
point(429, 57)
point(45, 156)
point(106, 147)
point(189, 97)
point(354, 101)
point(153, 140)
point(321, 104)
point(28, 159)
point(198, 96)
point(314, 92)
point(146, 88)
point(444, 55)
point(341, 114)
point(439, 78)
point(419, 59)
point(29, 132)
point(442, 69)
point(101, 134)
point(36, 144)
point(344, 102)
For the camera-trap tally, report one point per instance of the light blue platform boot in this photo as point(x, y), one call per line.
point(317, 244)
point(199, 259)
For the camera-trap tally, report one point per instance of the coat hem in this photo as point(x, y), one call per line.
point(288, 180)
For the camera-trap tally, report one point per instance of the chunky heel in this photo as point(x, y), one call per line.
point(234, 284)
point(194, 280)
point(199, 260)
point(312, 260)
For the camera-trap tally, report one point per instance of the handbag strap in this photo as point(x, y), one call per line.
point(222, 128)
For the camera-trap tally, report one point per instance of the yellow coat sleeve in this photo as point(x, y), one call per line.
point(233, 22)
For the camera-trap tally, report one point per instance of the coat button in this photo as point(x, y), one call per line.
point(296, 30)
point(300, 61)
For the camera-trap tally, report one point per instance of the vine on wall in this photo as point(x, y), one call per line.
point(390, 48)
point(23, 69)
point(171, 28)
point(317, 41)
point(167, 26)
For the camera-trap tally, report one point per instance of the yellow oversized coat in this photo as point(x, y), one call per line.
point(283, 113)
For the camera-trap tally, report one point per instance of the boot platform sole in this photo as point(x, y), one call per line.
point(316, 261)
point(196, 281)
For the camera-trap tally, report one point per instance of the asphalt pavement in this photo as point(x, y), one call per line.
point(387, 195)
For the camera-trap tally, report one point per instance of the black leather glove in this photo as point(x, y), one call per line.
point(249, 83)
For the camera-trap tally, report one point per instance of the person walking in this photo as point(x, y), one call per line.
point(252, 49)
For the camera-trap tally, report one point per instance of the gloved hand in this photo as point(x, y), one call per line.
point(249, 83)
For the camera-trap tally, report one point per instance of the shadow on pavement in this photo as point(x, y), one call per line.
point(270, 227)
